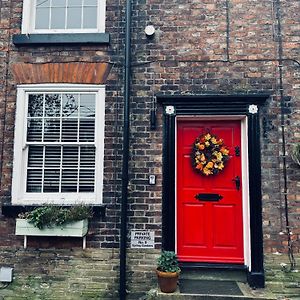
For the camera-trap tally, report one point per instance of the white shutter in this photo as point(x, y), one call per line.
point(87, 168)
point(35, 168)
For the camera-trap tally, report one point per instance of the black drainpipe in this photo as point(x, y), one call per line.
point(126, 132)
point(282, 123)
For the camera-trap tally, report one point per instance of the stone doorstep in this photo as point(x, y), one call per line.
point(214, 274)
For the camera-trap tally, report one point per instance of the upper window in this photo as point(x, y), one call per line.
point(63, 16)
point(60, 157)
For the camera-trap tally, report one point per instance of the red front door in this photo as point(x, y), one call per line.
point(209, 231)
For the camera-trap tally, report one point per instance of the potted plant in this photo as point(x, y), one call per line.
point(167, 271)
point(296, 153)
point(54, 220)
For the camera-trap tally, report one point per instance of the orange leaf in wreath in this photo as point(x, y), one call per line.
point(224, 151)
point(210, 165)
point(214, 140)
point(207, 171)
point(199, 167)
point(207, 137)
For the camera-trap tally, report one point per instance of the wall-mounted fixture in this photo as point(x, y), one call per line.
point(149, 30)
point(152, 179)
point(6, 274)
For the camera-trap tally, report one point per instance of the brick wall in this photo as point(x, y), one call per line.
point(200, 47)
point(61, 274)
point(21, 65)
point(210, 47)
point(279, 279)
point(76, 273)
point(182, 58)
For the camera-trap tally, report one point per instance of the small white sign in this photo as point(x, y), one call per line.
point(142, 239)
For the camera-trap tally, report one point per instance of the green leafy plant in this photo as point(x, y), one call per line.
point(296, 153)
point(168, 262)
point(51, 215)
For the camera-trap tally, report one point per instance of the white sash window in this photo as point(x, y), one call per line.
point(61, 156)
point(63, 16)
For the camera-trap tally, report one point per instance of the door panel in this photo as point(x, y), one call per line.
point(199, 238)
point(209, 231)
point(226, 212)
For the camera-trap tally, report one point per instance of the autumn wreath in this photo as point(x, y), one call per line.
point(209, 154)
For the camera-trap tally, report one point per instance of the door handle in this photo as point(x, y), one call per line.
point(237, 181)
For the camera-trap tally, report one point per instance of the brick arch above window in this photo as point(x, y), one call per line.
point(73, 72)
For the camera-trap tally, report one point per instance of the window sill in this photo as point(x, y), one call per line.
point(60, 39)
point(12, 211)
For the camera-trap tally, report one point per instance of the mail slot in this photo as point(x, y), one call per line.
point(208, 197)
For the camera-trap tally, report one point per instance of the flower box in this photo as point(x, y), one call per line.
point(74, 229)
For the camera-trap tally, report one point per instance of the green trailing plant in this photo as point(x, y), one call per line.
point(168, 262)
point(296, 153)
point(51, 215)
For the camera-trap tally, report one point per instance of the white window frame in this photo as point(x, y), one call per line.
point(19, 194)
point(28, 20)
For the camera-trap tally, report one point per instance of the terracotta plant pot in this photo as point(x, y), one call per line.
point(167, 281)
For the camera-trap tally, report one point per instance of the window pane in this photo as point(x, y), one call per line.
point(34, 130)
point(52, 105)
point(58, 16)
point(90, 2)
point(87, 156)
point(69, 180)
point(43, 3)
point(89, 17)
point(35, 156)
point(51, 180)
point(74, 17)
point(52, 156)
point(74, 3)
point(81, 14)
point(70, 105)
point(35, 105)
point(59, 3)
point(87, 105)
point(86, 180)
point(69, 130)
point(42, 18)
point(87, 130)
point(34, 181)
point(70, 157)
point(51, 130)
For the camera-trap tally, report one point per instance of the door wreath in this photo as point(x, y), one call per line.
point(209, 154)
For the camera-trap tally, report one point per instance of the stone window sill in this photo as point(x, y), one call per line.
point(60, 39)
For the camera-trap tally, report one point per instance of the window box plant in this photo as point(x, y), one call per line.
point(54, 221)
point(167, 271)
point(296, 153)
